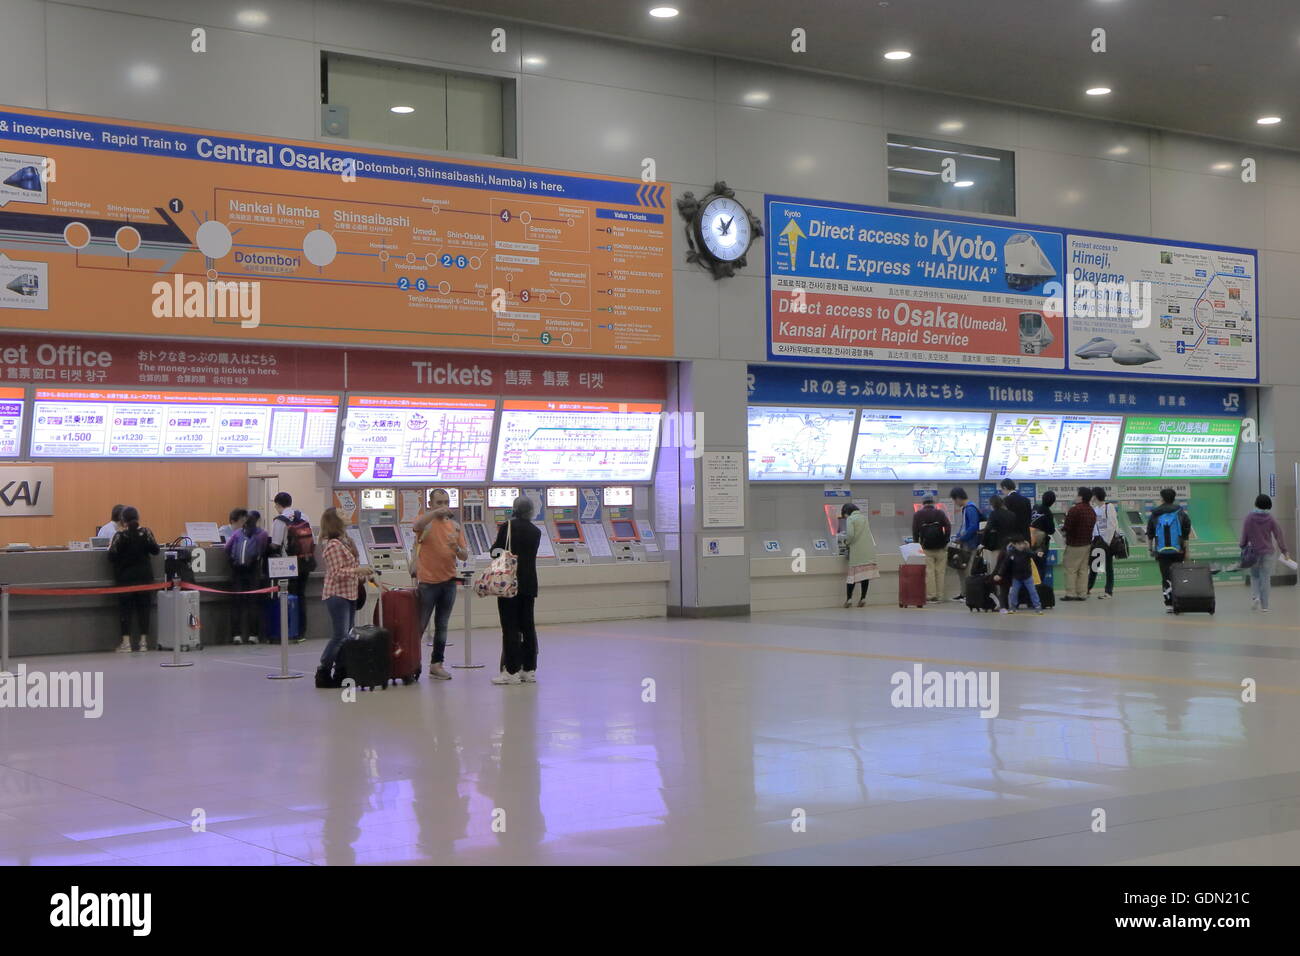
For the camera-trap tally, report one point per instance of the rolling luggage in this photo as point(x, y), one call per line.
point(1191, 588)
point(178, 620)
point(911, 585)
point(366, 657)
point(398, 609)
point(271, 618)
point(980, 593)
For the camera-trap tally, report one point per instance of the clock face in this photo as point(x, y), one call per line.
point(725, 228)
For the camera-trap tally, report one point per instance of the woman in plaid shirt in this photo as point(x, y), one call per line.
point(342, 572)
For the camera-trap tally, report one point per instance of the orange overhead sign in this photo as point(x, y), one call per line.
point(129, 228)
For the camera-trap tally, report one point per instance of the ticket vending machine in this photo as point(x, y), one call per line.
point(378, 506)
point(565, 527)
point(386, 553)
point(620, 524)
point(472, 514)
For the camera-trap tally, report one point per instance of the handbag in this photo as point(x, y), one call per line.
point(1249, 556)
point(360, 601)
point(958, 557)
point(501, 579)
point(1119, 547)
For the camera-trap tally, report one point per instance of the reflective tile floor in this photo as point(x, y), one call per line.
point(763, 740)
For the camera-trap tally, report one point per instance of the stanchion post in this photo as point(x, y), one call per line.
point(176, 638)
point(282, 586)
point(4, 629)
point(468, 600)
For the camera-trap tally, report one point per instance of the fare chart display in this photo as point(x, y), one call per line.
point(913, 446)
point(1030, 446)
point(108, 423)
point(1157, 447)
point(11, 422)
point(401, 439)
point(799, 444)
point(577, 441)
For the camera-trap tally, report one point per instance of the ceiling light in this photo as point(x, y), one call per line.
point(963, 183)
point(144, 74)
point(1118, 151)
point(1269, 120)
point(663, 13)
point(898, 54)
point(534, 61)
point(1221, 167)
point(1097, 90)
point(914, 172)
point(951, 126)
point(757, 96)
point(252, 18)
point(401, 109)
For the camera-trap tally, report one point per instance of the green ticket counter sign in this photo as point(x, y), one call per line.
point(1156, 447)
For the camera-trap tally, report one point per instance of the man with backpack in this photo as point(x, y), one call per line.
point(931, 529)
point(966, 537)
point(1168, 530)
point(291, 537)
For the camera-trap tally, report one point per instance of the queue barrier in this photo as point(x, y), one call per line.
point(7, 589)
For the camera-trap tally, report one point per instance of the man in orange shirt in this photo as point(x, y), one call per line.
point(440, 542)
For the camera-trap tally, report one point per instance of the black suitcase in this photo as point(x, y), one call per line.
point(1191, 588)
point(980, 593)
point(367, 658)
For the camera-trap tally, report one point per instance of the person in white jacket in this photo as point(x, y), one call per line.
point(1104, 534)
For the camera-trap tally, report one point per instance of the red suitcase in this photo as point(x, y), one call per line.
point(398, 610)
point(911, 585)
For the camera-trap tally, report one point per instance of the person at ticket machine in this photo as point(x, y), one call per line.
point(440, 543)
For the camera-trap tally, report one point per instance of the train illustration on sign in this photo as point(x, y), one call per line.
point(28, 283)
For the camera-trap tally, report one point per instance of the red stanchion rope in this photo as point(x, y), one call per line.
point(187, 586)
point(128, 589)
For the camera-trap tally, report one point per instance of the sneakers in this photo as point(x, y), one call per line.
point(504, 678)
point(862, 603)
point(528, 677)
point(252, 639)
point(237, 639)
point(849, 602)
point(1003, 610)
point(125, 646)
point(438, 672)
point(1038, 610)
point(960, 597)
point(1104, 596)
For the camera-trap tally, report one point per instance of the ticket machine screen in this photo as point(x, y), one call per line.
point(567, 531)
point(624, 530)
point(385, 536)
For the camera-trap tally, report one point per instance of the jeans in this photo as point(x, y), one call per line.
point(436, 601)
point(1013, 597)
point(1261, 578)
point(246, 610)
point(936, 571)
point(298, 586)
point(342, 615)
point(134, 605)
point(1077, 558)
point(1101, 549)
point(518, 634)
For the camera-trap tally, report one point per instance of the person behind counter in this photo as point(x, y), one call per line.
point(131, 554)
point(246, 550)
point(114, 524)
point(440, 542)
point(342, 572)
point(518, 631)
point(234, 522)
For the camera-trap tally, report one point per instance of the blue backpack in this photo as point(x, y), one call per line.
point(1169, 533)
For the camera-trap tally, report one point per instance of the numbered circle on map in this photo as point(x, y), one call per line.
point(403, 283)
point(546, 338)
point(421, 284)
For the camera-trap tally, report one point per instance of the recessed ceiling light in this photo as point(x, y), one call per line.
point(898, 54)
point(1118, 150)
point(952, 126)
point(663, 13)
point(252, 18)
point(401, 109)
point(1269, 120)
point(1097, 90)
point(963, 183)
point(1221, 166)
point(144, 74)
point(1219, 17)
point(757, 96)
point(534, 61)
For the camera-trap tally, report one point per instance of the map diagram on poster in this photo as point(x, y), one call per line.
point(913, 446)
point(1031, 447)
point(396, 439)
point(799, 444)
point(1193, 310)
point(577, 441)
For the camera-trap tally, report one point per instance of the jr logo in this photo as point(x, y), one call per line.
point(1232, 401)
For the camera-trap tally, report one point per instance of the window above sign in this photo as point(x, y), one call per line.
point(947, 175)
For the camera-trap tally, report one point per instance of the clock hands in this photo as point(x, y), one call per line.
point(725, 227)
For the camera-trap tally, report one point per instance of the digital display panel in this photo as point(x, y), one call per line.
point(385, 535)
point(395, 439)
point(132, 423)
point(617, 495)
point(1157, 447)
point(453, 496)
point(799, 444)
point(545, 441)
point(567, 531)
point(623, 530)
point(11, 422)
point(561, 497)
point(916, 446)
point(378, 499)
point(502, 497)
point(1029, 446)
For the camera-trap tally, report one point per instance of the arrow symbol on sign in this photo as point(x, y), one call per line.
point(793, 234)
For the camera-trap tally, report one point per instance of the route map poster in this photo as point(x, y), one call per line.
point(139, 229)
point(861, 285)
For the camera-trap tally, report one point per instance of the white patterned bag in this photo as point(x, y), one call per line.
point(501, 579)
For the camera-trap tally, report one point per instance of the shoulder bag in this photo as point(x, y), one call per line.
point(501, 579)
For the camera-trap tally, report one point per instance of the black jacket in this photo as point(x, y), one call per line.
point(1000, 526)
point(1018, 564)
point(131, 553)
point(524, 539)
point(1043, 520)
point(1183, 520)
point(931, 515)
point(1019, 506)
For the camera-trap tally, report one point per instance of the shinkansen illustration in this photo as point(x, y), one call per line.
point(28, 283)
point(28, 178)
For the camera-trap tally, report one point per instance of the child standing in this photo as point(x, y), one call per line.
point(1019, 568)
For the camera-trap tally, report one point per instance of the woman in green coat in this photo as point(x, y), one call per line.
point(862, 551)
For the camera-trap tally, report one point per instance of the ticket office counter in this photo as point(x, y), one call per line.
point(72, 625)
point(599, 557)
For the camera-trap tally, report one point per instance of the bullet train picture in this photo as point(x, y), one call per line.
point(1132, 352)
point(28, 178)
point(26, 284)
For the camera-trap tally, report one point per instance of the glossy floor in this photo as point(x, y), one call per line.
point(770, 739)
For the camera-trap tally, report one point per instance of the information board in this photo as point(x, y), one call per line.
point(577, 441)
point(12, 401)
point(218, 235)
point(1029, 446)
point(1155, 447)
point(110, 423)
point(911, 446)
point(799, 444)
point(400, 439)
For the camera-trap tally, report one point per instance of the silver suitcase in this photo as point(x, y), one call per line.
point(178, 620)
